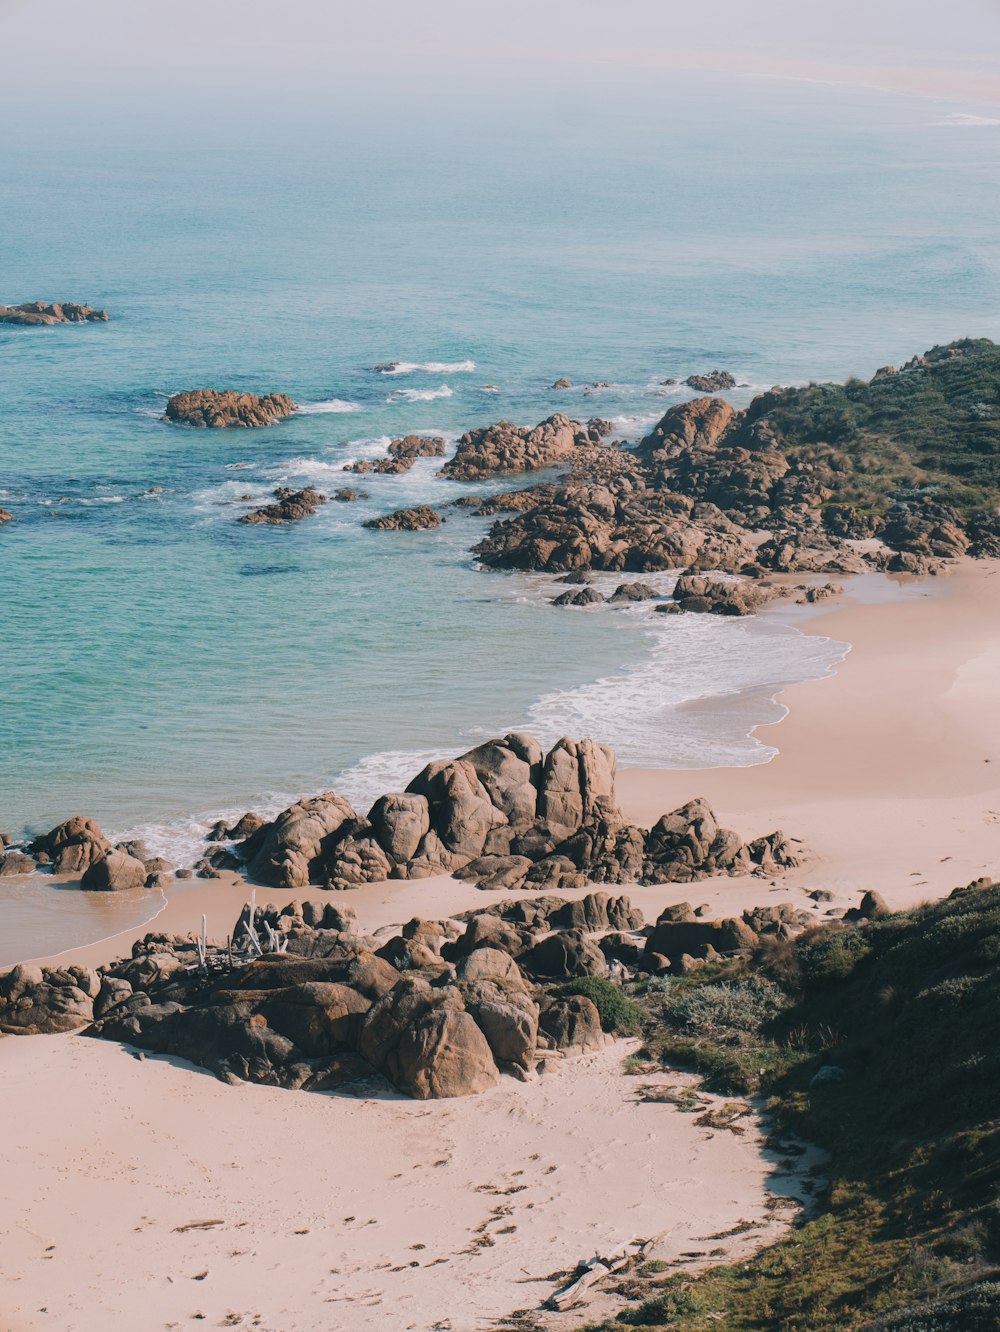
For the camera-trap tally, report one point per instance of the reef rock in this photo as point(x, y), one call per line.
point(37, 312)
point(225, 408)
point(290, 507)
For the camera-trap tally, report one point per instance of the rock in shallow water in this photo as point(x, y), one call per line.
point(225, 408)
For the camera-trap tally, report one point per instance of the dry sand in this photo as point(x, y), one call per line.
point(889, 772)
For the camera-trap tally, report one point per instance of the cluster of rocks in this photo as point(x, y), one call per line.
point(79, 847)
point(503, 448)
point(420, 518)
point(38, 312)
point(290, 506)
point(506, 815)
point(440, 1009)
point(732, 596)
point(225, 408)
point(401, 455)
point(708, 489)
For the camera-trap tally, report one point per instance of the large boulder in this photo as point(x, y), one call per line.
point(675, 938)
point(564, 956)
point(291, 852)
point(114, 873)
point(400, 822)
point(507, 1016)
point(36, 1001)
point(15, 862)
point(425, 1042)
point(572, 1024)
point(73, 846)
point(224, 409)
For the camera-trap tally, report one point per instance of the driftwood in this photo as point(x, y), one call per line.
point(596, 1270)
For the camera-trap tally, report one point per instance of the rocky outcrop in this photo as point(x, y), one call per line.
point(290, 507)
point(225, 408)
point(688, 844)
point(712, 382)
point(39, 313)
point(716, 596)
point(72, 847)
point(421, 518)
point(503, 448)
point(506, 815)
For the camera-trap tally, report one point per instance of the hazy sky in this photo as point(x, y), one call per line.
point(71, 56)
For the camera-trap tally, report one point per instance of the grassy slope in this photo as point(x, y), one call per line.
point(936, 425)
point(909, 1008)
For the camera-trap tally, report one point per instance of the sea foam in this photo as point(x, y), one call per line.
point(429, 368)
point(330, 406)
point(420, 395)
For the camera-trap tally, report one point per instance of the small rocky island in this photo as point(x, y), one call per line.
point(222, 409)
point(35, 313)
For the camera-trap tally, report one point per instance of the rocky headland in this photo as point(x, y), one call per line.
point(221, 409)
point(38, 313)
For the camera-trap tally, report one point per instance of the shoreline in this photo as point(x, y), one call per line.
point(866, 811)
point(153, 1143)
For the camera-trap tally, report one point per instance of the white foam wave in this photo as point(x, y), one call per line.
point(420, 395)
point(330, 406)
point(380, 774)
point(697, 698)
point(429, 368)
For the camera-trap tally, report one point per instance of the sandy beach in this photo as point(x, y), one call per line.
point(887, 774)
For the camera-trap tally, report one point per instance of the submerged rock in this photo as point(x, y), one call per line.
point(421, 518)
point(290, 507)
point(712, 382)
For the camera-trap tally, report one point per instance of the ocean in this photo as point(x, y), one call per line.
point(162, 664)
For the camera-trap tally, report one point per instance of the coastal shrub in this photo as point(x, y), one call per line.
point(833, 955)
point(906, 1234)
point(617, 1012)
point(725, 1007)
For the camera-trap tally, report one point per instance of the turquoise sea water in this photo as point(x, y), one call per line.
point(160, 662)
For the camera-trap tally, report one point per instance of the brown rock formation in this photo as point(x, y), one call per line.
point(225, 408)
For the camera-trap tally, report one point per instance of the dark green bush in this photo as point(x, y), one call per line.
point(618, 1013)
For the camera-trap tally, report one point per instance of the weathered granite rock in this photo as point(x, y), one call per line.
point(417, 446)
point(418, 519)
point(15, 862)
point(698, 593)
point(72, 847)
point(42, 1001)
point(564, 956)
point(290, 507)
point(225, 408)
point(39, 313)
point(114, 873)
point(290, 852)
point(711, 382)
point(504, 447)
point(674, 938)
point(571, 1024)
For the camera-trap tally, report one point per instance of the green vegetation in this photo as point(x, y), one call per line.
point(933, 428)
point(903, 1017)
point(617, 1012)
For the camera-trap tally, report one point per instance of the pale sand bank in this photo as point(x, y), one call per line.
point(326, 1201)
point(889, 772)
